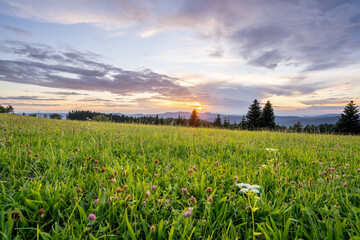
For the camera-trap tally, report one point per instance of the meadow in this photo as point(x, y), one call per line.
point(88, 180)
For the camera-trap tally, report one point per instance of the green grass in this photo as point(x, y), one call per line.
point(50, 176)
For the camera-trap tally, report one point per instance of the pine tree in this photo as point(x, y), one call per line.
point(268, 116)
point(156, 121)
point(226, 123)
point(349, 121)
point(242, 124)
point(253, 116)
point(194, 119)
point(217, 122)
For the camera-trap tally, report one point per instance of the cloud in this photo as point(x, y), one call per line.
point(66, 93)
point(313, 34)
point(16, 30)
point(33, 104)
point(44, 66)
point(31, 98)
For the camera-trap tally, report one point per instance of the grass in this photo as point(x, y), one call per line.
point(309, 187)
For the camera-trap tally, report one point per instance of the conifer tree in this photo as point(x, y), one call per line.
point(349, 121)
point(268, 116)
point(217, 122)
point(242, 124)
point(156, 121)
point(194, 119)
point(253, 116)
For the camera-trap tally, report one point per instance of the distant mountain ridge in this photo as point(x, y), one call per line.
point(286, 121)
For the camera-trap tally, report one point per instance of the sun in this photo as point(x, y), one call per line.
point(199, 108)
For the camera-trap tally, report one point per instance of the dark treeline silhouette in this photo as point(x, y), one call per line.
point(97, 116)
point(8, 109)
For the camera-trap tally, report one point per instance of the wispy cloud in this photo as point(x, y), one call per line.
point(16, 30)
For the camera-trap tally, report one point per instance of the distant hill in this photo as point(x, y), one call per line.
point(281, 120)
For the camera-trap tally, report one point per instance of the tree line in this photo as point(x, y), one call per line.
point(258, 118)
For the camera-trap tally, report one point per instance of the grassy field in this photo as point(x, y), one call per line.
point(87, 180)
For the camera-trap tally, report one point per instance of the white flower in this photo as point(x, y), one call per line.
point(244, 190)
point(254, 190)
point(255, 186)
point(264, 166)
point(271, 149)
point(240, 185)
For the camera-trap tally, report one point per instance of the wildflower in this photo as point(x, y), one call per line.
point(358, 170)
point(336, 206)
point(15, 215)
point(192, 200)
point(92, 217)
point(103, 170)
point(144, 201)
point(292, 182)
point(240, 185)
point(124, 173)
point(190, 171)
point(166, 222)
point(96, 168)
point(217, 164)
point(210, 199)
point(231, 197)
point(156, 162)
point(254, 190)
point(332, 169)
point(36, 155)
point(184, 191)
point(152, 228)
point(271, 149)
point(73, 157)
point(126, 187)
point(116, 173)
point(187, 214)
point(156, 175)
point(236, 177)
point(327, 179)
point(153, 188)
point(168, 200)
point(111, 176)
point(30, 152)
point(134, 224)
point(345, 184)
point(78, 190)
point(128, 196)
point(159, 201)
point(118, 190)
point(147, 194)
point(40, 212)
point(110, 199)
point(344, 175)
point(96, 161)
point(96, 201)
point(113, 181)
point(209, 190)
point(76, 149)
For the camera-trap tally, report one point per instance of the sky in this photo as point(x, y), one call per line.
point(156, 56)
